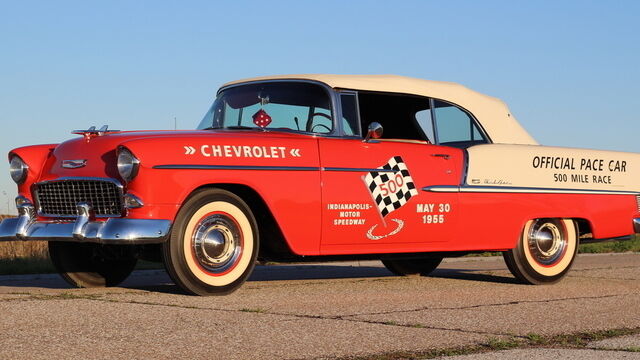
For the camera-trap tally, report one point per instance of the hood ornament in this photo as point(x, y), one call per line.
point(74, 164)
point(92, 132)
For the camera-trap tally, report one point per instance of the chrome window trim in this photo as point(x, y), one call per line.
point(358, 129)
point(336, 111)
point(333, 98)
point(430, 101)
point(434, 124)
point(483, 132)
point(36, 196)
point(277, 131)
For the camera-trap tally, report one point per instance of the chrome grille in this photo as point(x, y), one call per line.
point(60, 198)
point(638, 202)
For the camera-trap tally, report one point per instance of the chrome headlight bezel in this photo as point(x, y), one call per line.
point(128, 164)
point(18, 169)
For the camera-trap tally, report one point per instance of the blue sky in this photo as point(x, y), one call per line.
point(569, 70)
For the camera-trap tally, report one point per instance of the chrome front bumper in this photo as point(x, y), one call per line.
point(110, 231)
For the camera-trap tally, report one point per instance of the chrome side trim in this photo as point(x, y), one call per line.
point(273, 168)
point(441, 188)
point(528, 190)
point(235, 167)
point(358, 169)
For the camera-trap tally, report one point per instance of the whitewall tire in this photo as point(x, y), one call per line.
point(545, 252)
point(213, 245)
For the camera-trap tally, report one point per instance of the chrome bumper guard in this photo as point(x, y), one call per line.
point(83, 229)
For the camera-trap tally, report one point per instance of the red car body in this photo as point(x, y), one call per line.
point(324, 194)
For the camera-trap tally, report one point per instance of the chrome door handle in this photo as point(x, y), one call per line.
point(444, 156)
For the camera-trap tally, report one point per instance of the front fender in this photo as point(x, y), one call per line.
point(35, 157)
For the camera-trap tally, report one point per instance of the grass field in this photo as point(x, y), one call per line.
point(611, 246)
point(22, 257)
point(32, 257)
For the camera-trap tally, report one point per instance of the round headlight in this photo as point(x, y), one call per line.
point(18, 169)
point(127, 164)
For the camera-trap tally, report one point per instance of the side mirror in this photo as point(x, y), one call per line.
point(373, 132)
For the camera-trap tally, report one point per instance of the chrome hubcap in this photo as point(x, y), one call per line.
point(546, 241)
point(216, 243)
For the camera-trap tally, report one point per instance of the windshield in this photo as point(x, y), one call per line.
point(292, 106)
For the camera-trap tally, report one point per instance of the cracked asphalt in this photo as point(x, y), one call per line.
point(310, 311)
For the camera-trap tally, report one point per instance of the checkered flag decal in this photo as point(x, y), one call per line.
point(398, 186)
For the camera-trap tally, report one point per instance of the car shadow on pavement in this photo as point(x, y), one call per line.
point(472, 275)
point(315, 272)
point(319, 272)
point(293, 273)
point(159, 281)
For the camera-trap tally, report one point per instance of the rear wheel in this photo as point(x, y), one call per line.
point(92, 265)
point(213, 245)
point(404, 267)
point(545, 252)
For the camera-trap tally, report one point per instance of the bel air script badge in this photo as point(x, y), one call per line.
point(74, 164)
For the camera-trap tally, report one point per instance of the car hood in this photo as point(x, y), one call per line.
point(96, 156)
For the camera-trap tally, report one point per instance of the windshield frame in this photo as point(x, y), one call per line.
point(334, 102)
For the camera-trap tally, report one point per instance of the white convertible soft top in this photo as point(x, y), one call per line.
point(493, 114)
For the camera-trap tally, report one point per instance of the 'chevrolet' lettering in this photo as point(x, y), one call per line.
point(244, 151)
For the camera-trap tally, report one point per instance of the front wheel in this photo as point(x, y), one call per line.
point(545, 252)
point(404, 267)
point(213, 245)
point(92, 265)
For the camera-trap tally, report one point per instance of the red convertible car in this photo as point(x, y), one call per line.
point(298, 167)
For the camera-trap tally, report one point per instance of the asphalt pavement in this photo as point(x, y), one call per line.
point(328, 310)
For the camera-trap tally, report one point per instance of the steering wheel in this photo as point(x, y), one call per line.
point(311, 126)
point(320, 125)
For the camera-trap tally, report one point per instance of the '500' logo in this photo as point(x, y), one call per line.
point(392, 186)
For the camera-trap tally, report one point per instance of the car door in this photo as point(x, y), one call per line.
point(373, 197)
